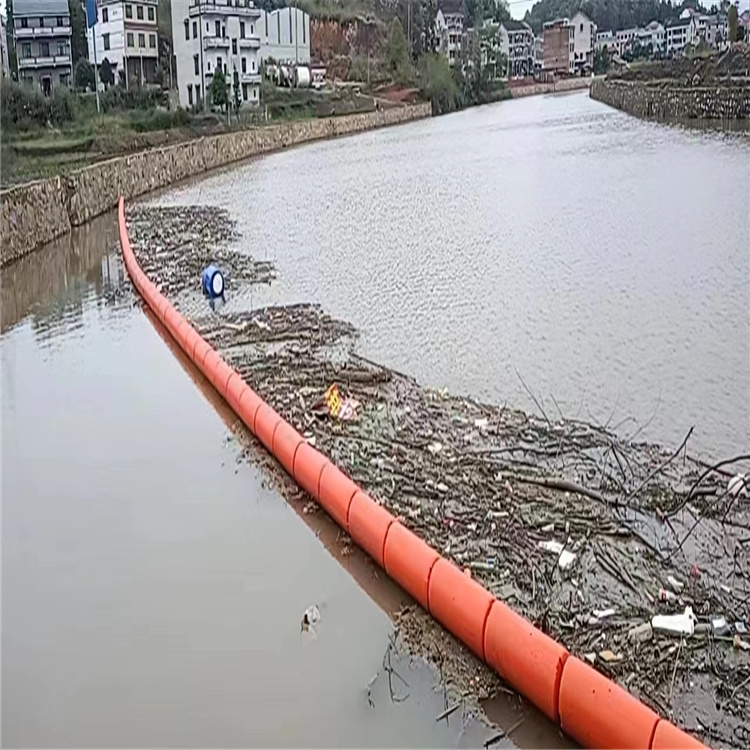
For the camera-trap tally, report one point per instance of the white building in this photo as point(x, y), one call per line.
point(653, 34)
point(42, 33)
point(584, 38)
point(449, 23)
point(517, 44)
point(211, 35)
point(608, 40)
point(678, 35)
point(4, 50)
point(285, 35)
point(626, 39)
point(126, 34)
point(712, 29)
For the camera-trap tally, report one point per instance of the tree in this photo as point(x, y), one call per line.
point(601, 60)
point(219, 95)
point(84, 76)
point(396, 51)
point(106, 74)
point(236, 91)
point(733, 23)
point(79, 47)
point(438, 85)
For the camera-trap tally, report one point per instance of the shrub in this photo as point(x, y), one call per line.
point(358, 69)
point(62, 109)
point(22, 107)
point(84, 75)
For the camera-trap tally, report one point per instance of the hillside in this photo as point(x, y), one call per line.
point(606, 14)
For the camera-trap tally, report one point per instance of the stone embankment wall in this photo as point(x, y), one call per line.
point(567, 84)
point(38, 212)
point(672, 102)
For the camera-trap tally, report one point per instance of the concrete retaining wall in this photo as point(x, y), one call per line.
point(673, 103)
point(36, 213)
point(567, 84)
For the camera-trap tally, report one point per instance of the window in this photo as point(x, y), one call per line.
point(581, 27)
point(242, 29)
point(62, 48)
point(24, 23)
point(217, 32)
point(195, 65)
point(195, 29)
point(139, 12)
point(152, 41)
point(151, 14)
point(252, 65)
point(234, 46)
point(208, 65)
point(244, 91)
point(252, 30)
point(303, 28)
point(105, 16)
point(128, 11)
point(59, 23)
point(41, 23)
point(290, 25)
point(244, 65)
point(187, 29)
point(255, 93)
point(105, 37)
point(43, 49)
point(141, 40)
point(131, 43)
point(218, 63)
point(26, 49)
point(190, 94)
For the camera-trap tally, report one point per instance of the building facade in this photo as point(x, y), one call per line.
point(212, 35)
point(607, 40)
point(41, 29)
point(517, 44)
point(584, 39)
point(285, 36)
point(4, 49)
point(559, 45)
point(450, 23)
point(653, 35)
point(679, 34)
point(127, 35)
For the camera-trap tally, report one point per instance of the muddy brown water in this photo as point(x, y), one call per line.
point(153, 584)
point(604, 258)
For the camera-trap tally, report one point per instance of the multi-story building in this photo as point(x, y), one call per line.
point(4, 49)
point(712, 29)
point(126, 34)
point(212, 35)
point(41, 29)
point(608, 40)
point(626, 38)
point(450, 22)
point(517, 44)
point(538, 54)
point(679, 34)
point(652, 35)
point(584, 38)
point(285, 35)
point(559, 45)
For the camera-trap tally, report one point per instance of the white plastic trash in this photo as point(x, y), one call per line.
point(683, 624)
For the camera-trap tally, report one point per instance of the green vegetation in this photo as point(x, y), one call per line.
point(218, 89)
point(733, 21)
point(601, 61)
point(438, 85)
point(79, 47)
point(608, 15)
point(397, 54)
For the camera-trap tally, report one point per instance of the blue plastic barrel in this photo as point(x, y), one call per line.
point(212, 281)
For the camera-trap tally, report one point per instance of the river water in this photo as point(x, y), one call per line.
point(602, 259)
point(153, 584)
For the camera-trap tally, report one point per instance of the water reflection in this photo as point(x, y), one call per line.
point(56, 281)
